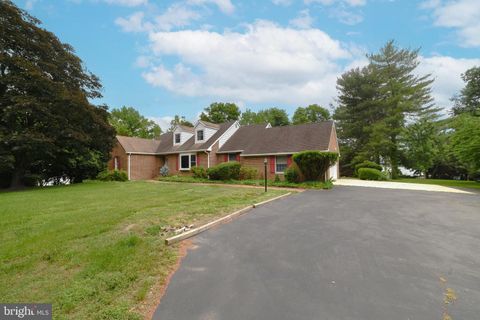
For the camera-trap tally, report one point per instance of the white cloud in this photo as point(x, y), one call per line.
point(266, 63)
point(282, 2)
point(462, 15)
point(342, 10)
point(446, 71)
point(163, 122)
point(127, 3)
point(346, 16)
point(303, 20)
point(176, 15)
point(352, 3)
point(133, 23)
point(225, 6)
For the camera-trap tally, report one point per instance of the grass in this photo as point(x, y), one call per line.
point(442, 182)
point(95, 250)
point(281, 184)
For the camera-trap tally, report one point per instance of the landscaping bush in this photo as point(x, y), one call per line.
point(112, 175)
point(370, 174)
point(164, 171)
point(277, 178)
point(31, 180)
point(292, 175)
point(368, 164)
point(225, 171)
point(314, 164)
point(247, 173)
point(199, 172)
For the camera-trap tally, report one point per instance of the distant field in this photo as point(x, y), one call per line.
point(96, 249)
point(443, 182)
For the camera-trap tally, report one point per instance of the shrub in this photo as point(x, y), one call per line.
point(112, 175)
point(277, 178)
point(292, 175)
point(199, 172)
point(164, 171)
point(225, 171)
point(314, 164)
point(31, 180)
point(247, 173)
point(368, 164)
point(370, 174)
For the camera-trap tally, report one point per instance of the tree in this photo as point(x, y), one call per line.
point(249, 117)
point(177, 120)
point(311, 114)
point(48, 127)
point(468, 101)
point(466, 141)
point(219, 112)
point(129, 122)
point(421, 145)
point(376, 101)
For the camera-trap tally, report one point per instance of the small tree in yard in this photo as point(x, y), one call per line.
point(314, 164)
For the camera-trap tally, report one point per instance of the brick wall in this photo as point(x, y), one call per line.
point(257, 163)
point(122, 157)
point(144, 167)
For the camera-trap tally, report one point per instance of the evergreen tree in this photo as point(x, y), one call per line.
point(375, 103)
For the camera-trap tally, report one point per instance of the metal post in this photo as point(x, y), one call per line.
point(265, 172)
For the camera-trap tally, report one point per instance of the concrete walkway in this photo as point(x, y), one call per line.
point(397, 185)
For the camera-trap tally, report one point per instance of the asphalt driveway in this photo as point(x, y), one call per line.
point(350, 253)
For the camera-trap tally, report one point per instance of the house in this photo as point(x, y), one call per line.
point(208, 144)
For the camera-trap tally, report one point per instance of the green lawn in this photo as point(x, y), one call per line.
point(96, 249)
point(443, 182)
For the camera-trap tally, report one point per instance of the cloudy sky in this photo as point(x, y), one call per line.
point(176, 57)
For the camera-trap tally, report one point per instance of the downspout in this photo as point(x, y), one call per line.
point(129, 155)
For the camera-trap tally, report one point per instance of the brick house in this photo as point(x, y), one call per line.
point(207, 144)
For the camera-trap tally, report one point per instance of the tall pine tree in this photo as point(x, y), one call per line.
point(376, 102)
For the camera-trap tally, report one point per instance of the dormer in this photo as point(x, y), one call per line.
point(181, 134)
point(204, 131)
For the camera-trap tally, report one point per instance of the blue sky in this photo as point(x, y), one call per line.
point(176, 57)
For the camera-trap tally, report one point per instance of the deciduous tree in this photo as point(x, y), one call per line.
point(311, 114)
point(127, 121)
point(48, 127)
point(219, 112)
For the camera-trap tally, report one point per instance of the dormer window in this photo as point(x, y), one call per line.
point(199, 135)
point(177, 137)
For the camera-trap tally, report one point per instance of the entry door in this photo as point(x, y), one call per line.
point(334, 172)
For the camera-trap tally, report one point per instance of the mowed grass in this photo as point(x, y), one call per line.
point(95, 250)
point(443, 182)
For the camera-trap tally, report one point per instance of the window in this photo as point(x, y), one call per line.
point(200, 135)
point(280, 164)
point(232, 157)
point(187, 161)
point(177, 137)
point(193, 160)
point(116, 165)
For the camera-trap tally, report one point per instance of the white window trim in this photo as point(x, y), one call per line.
point(189, 161)
point(280, 172)
point(175, 140)
point(203, 135)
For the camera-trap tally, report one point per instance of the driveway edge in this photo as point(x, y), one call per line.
point(229, 217)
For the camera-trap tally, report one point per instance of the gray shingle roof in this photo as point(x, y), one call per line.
point(165, 143)
point(257, 139)
point(138, 145)
point(252, 139)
